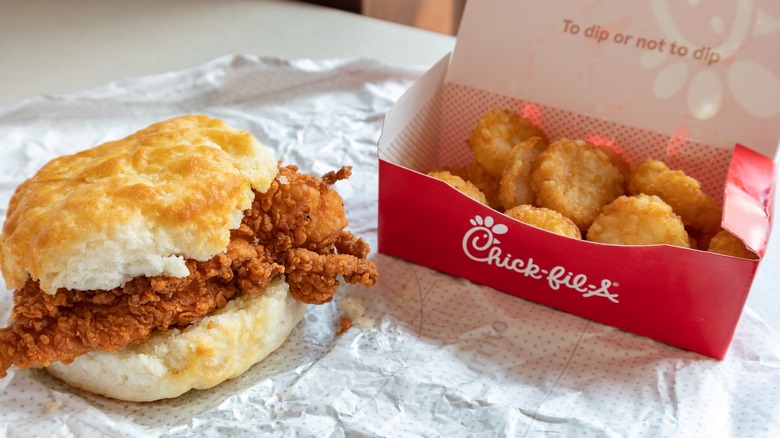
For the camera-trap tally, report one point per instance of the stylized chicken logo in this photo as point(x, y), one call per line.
point(483, 233)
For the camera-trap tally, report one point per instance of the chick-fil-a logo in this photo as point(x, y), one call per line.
point(481, 245)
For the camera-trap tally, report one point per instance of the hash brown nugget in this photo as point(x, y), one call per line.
point(726, 243)
point(545, 219)
point(477, 175)
point(485, 182)
point(466, 187)
point(638, 220)
point(515, 183)
point(495, 134)
point(617, 159)
point(699, 211)
point(576, 179)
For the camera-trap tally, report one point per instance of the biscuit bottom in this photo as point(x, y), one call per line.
point(219, 347)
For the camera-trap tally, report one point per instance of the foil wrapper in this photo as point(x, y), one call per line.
point(431, 355)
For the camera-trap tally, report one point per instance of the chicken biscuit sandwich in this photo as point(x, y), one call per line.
point(173, 259)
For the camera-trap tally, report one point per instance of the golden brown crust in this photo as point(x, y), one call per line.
point(576, 179)
point(545, 219)
point(699, 211)
point(726, 243)
point(495, 134)
point(639, 220)
point(140, 205)
point(300, 221)
point(617, 159)
point(515, 183)
point(486, 183)
point(464, 186)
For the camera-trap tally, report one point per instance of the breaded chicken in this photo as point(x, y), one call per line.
point(296, 228)
point(300, 221)
point(60, 327)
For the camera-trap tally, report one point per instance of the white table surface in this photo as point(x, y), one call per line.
point(52, 47)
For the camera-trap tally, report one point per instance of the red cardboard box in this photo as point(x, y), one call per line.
point(648, 80)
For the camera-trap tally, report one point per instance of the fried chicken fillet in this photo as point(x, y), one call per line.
point(295, 228)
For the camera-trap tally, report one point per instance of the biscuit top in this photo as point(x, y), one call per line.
point(133, 207)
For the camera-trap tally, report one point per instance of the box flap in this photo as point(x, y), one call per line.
point(649, 65)
point(417, 110)
point(747, 198)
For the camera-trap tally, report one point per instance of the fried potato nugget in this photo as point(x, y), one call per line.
point(515, 184)
point(466, 187)
point(576, 179)
point(545, 219)
point(617, 159)
point(485, 182)
point(726, 243)
point(495, 134)
point(700, 212)
point(638, 220)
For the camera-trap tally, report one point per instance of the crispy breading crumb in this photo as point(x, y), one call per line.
point(355, 312)
point(344, 325)
point(52, 406)
point(352, 307)
point(407, 293)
